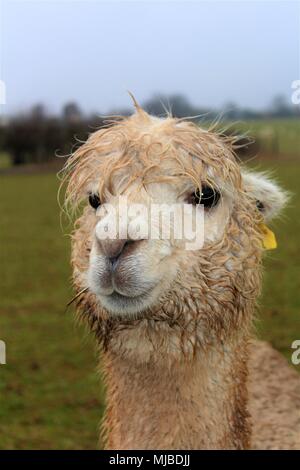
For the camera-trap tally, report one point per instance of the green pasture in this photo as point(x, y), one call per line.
point(279, 137)
point(50, 395)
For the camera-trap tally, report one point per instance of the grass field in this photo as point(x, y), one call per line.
point(49, 392)
point(5, 161)
point(50, 395)
point(275, 136)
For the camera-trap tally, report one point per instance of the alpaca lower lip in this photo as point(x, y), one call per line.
point(119, 303)
point(120, 291)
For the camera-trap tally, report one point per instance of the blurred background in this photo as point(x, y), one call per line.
point(64, 66)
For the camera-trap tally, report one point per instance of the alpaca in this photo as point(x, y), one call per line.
point(175, 326)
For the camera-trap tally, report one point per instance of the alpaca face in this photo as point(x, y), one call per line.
point(130, 274)
point(152, 162)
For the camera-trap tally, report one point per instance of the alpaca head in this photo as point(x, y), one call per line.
point(129, 276)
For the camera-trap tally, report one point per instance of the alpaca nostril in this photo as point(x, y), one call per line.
point(113, 260)
point(115, 250)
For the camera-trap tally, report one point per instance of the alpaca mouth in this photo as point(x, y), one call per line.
point(120, 303)
point(121, 297)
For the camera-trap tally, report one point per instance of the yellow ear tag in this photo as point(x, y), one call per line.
point(269, 239)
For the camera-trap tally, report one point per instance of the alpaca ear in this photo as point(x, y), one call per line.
point(270, 198)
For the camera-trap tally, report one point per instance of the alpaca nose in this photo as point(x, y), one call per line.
point(113, 249)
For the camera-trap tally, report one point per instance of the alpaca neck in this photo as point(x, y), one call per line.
point(198, 403)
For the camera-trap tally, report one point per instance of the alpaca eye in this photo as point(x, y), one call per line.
point(208, 196)
point(94, 200)
point(260, 206)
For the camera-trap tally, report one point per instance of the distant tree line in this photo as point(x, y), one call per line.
point(179, 106)
point(37, 136)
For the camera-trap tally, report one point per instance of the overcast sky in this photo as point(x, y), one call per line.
point(93, 51)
